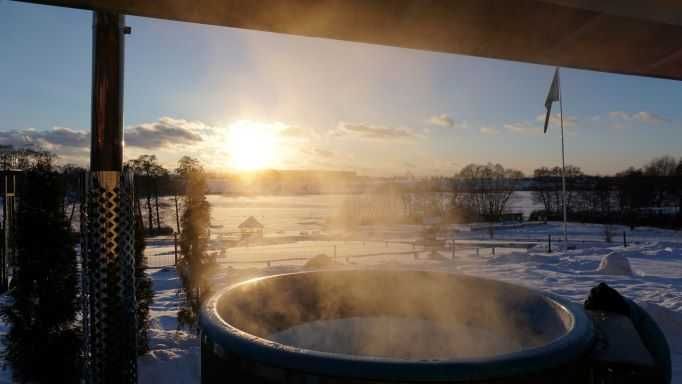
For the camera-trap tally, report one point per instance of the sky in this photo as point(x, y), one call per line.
point(239, 100)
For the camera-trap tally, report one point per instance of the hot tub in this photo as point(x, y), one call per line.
point(381, 326)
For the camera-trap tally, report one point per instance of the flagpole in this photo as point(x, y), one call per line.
point(563, 165)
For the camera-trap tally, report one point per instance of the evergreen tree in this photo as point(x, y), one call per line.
point(43, 342)
point(143, 287)
point(194, 236)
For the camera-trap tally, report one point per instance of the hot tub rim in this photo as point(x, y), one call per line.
point(563, 350)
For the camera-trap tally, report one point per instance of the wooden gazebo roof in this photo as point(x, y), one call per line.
point(251, 223)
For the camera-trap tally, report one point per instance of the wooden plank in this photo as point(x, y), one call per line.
point(631, 37)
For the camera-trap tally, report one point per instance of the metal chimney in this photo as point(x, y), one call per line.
point(108, 221)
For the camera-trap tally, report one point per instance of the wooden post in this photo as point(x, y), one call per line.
point(549, 243)
point(493, 251)
point(625, 240)
point(175, 242)
point(177, 214)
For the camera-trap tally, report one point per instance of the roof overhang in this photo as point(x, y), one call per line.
point(640, 37)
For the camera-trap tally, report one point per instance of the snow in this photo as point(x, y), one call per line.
point(174, 355)
point(615, 264)
point(654, 255)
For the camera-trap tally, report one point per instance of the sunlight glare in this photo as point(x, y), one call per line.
point(252, 145)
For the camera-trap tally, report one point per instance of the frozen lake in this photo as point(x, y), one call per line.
point(293, 214)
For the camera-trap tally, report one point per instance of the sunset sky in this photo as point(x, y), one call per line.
point(240, 99)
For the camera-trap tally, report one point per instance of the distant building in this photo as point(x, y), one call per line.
point(251, 228)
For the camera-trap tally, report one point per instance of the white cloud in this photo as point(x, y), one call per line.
point(442, 120)
point(369, 131)
point(555, 120)
point(523, 128)
point(490, 131)
point(642, 117)
point(318, 152)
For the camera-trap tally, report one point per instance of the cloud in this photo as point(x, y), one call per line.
point(555, 120)
point(523, 128)
point(489, 131)
point(318, 152)
point(56, 138)
point(293, 131)
point(442, 120)
point(642, 117)
point(165, 132)
point(368, 131)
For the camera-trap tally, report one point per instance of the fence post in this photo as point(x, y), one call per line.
point(493, 251)
point(549, 243)
point(175, 243)
point(625, 240)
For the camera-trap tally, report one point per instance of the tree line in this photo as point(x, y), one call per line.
point(650, 195)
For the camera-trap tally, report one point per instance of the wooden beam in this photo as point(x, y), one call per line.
point(621, 36)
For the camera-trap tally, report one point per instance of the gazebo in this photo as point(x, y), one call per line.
point(251, 228)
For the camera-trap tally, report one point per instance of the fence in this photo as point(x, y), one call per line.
point(354, 250)
point(167, 254)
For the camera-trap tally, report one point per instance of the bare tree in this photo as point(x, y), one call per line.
point(489, 188)
point(549, 190)
point(148, 172)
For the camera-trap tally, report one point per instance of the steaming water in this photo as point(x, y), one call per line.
point(394, 337)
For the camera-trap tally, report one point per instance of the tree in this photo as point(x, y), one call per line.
point(147, 174)
point(195, 223)
point(43, 342)
point(72, 175)
point(549, 189)
point(144, 294)
point(489, 188)
point(543, 193)
point(662, 171)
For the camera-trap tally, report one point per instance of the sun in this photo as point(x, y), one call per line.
point(252, 145)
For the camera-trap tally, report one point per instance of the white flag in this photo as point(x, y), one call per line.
point(552, 96)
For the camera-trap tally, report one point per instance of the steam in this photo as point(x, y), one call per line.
point(398, 314)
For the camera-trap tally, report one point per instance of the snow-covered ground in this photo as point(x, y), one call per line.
point(174, 355)
point(655, 258)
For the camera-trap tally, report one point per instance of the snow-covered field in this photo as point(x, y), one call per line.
point(655, 283)
point(655, 257)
